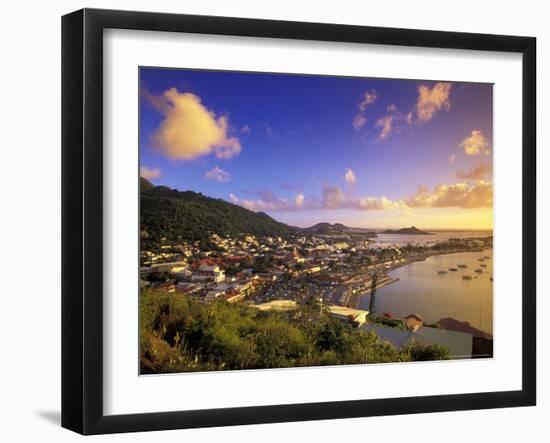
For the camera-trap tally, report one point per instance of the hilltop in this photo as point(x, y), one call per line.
point(187, 215)
point(190, 216)
point(409, 231)
point(336, 228)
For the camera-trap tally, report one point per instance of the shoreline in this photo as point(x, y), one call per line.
point(434, 254)
point(356, 299)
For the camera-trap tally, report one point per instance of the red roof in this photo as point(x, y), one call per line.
point(236, 258)
point(207, 262)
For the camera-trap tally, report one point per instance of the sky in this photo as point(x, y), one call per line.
point(365, 152)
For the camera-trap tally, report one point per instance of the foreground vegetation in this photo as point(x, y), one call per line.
point(180, 335)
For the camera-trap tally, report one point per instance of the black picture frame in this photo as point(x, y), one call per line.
point(82, 218)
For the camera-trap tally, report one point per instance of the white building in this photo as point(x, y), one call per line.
point(209, 273)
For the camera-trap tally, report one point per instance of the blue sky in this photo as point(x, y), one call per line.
point(286, 144)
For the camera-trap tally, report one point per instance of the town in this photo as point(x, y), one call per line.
point(262, 249)
point(337, 269)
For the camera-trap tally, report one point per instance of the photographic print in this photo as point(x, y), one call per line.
point(292, 220)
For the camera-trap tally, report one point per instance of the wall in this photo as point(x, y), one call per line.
point(30, 184)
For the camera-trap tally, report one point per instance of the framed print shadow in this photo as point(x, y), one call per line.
point(268, 221)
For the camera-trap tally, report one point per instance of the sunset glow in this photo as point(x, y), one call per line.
point(374, 153)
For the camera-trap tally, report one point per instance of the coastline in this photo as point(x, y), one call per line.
point(433, 254)
point(355, 301)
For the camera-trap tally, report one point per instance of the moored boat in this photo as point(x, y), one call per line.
point(479, 271)
point(453, 269)
point(462, 266)
point(466, 277)
point(442, 272)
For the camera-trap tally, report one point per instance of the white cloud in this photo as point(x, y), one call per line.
point(459, 195)
point(359, 121)
point(376, 203)
point(390, 124)
point(478, 194)
point(268, 201)
point(474, 194)
point(369, 97)
point(217, 174)
point(349, 177)
point(430, 101)
point(387, 125)
point(333, 197)
point(245, 129)
point(299, 200)
point(189, 129)
point(452, 158)
point(475, 144)
point(477, 173)
point(234, 199)
point(149, 174)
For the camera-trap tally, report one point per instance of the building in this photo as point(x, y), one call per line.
point(169, 266)
point(211, 273)
point(460, 344)
point(191, 290)
point(214, 295)
point(413, 321)
point(277, 305)
point(356, 317)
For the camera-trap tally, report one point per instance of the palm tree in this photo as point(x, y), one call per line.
point(372, 302)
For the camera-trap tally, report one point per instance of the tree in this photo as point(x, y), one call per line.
point(331, 336)
point(179, 334)
point(372, 303)
point(312, 309)
point(428, 353)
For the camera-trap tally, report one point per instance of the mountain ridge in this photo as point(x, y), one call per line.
point(172, 216)
point(169, 215)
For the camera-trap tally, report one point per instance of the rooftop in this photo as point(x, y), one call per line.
point(459, 343)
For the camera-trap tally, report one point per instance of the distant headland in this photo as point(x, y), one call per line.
point(408, 231)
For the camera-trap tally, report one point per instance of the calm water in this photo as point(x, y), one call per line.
point(436, 237)
point(421, 290)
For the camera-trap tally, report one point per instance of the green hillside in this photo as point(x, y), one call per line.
point(179, 334)
point(176, 216)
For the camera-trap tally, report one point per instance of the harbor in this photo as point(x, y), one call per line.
point(418, 287)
